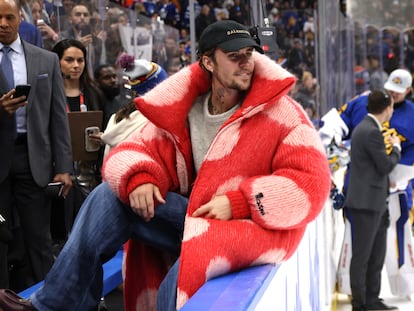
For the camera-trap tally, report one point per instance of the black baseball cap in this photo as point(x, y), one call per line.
point(227, 35)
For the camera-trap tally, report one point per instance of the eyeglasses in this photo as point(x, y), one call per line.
point(79, 14)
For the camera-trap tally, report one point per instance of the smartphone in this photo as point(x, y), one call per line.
point(54, 189)
point(91, 146)
point(85, 30)
point(22, 89)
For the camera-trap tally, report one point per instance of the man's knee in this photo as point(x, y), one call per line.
point(101, 194)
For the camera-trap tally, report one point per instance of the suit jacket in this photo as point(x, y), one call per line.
point(370, 165)
point(47, 124)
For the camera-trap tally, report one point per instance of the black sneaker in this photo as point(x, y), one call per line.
point(380, 306)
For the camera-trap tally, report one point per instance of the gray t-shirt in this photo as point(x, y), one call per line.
point(204, 127)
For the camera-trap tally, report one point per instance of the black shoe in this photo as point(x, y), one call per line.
point(358, 309)
point(380, 306)
point(10, 301)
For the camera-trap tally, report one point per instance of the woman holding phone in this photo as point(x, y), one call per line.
point(80, 88)
point(82, 94)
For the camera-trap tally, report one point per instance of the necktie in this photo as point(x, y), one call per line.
point(7, 67)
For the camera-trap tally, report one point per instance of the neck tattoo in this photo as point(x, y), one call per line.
point(211, 108)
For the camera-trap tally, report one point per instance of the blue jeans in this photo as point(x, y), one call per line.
point(102, 226)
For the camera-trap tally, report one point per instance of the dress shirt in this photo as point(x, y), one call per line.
point(20, 77)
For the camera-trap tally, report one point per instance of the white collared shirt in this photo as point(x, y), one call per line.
point(20, 77)
point(376, 121)
point(18, 61)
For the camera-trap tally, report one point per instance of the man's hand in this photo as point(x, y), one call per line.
point(218, 208)
point(141, 200)
point(47, 31)
point(86, 40)
point(102, 35)
point(395, 140)
point(65, 178)
point(9, 105)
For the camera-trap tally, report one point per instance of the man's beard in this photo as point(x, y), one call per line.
point(111, 91)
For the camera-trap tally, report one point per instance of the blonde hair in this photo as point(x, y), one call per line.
point(306, 75)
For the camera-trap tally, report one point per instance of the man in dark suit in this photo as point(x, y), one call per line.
point(35, 143)
point(366, 201)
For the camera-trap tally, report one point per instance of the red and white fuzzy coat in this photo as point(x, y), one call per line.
point(267, 158)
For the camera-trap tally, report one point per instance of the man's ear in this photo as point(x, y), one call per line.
point(208, 63)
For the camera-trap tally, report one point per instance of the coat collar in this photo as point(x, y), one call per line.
point(168, 104)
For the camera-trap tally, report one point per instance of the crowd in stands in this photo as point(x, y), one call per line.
point(160, 30)
point(109, 31)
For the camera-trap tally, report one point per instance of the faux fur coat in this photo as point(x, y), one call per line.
point(267, 158)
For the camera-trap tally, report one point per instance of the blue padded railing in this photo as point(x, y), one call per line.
point(112, 276)
point(238, 291)
point(297, 284)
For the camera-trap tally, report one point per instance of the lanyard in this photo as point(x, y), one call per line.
point(82, 106)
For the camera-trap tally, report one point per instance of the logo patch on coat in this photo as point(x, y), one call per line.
point(259, 203)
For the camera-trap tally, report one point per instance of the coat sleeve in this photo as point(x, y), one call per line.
point(59, 124)
point(376, 148)
point(148, 156)
point(297, 189)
